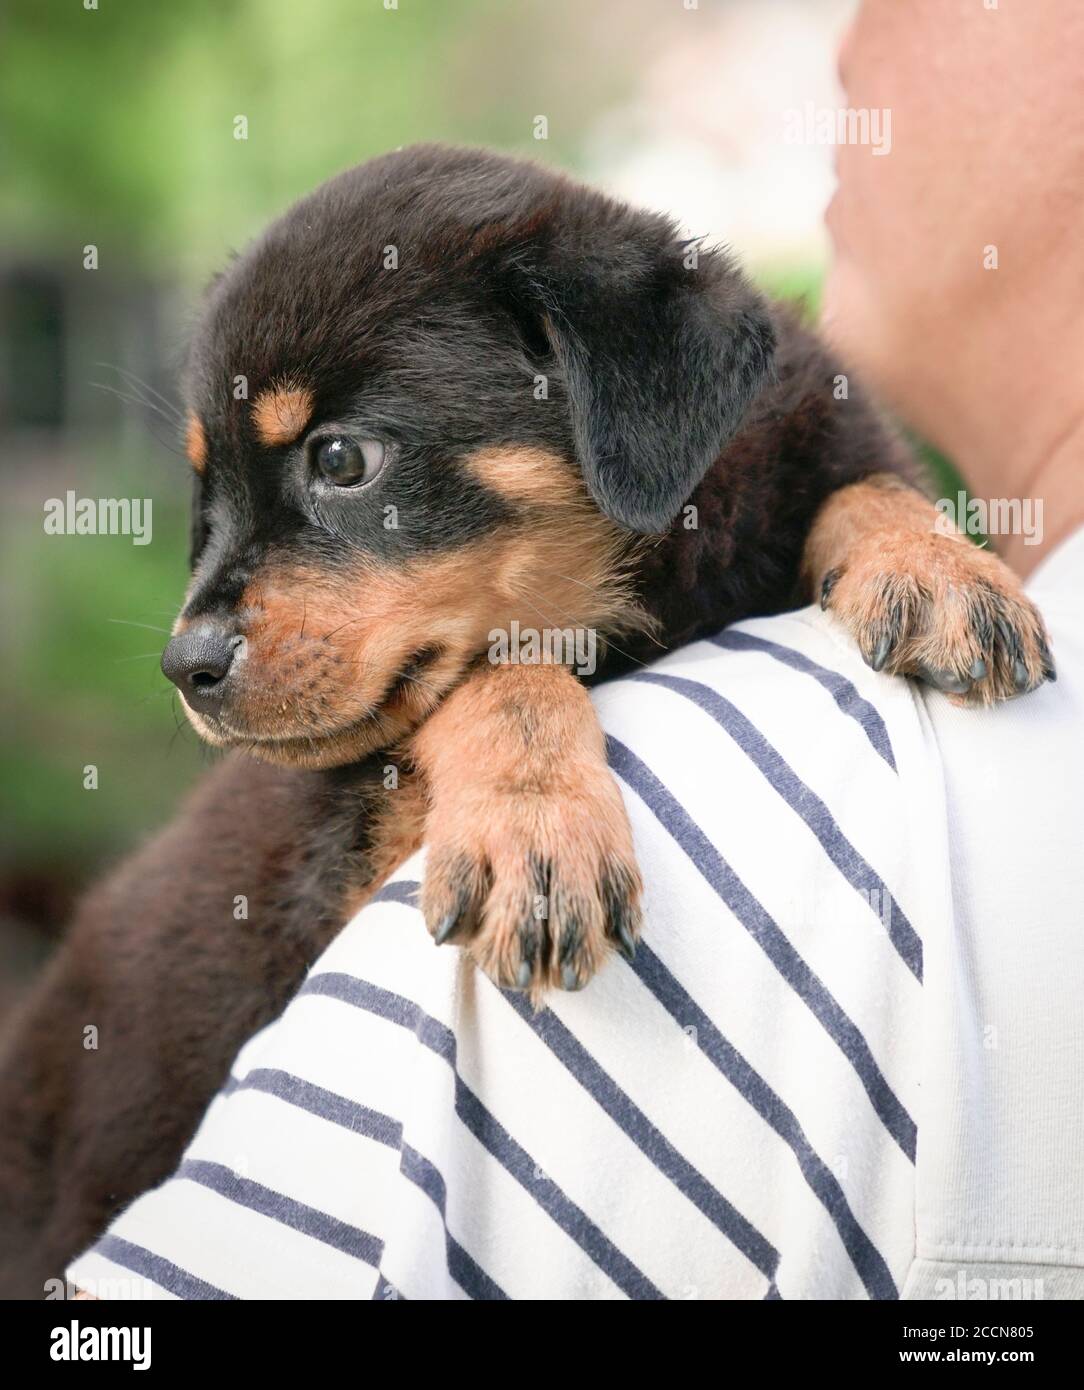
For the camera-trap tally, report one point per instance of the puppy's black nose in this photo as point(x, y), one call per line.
point(198, 661)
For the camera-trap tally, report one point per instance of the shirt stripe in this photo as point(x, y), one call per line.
point(361, 1119)
point(871, 1267)
point(158, 1269)
point(647, 1138)
point(846, 696)
point(772, 940)
point(805, 802)
point(513, 1157)
point(361, 1245)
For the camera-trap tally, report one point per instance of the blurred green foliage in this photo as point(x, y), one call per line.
point(124, 116)
point(82, 686)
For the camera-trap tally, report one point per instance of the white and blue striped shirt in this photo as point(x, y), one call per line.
point(791, 1093)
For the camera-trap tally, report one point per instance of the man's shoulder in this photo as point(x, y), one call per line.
point(793, 681)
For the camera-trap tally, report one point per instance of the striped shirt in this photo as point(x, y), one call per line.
point(847, 1061)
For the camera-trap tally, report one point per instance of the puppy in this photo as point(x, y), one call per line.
point(447, 398)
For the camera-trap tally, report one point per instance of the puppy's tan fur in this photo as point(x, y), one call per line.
point(281, 413)
point(195, 443)
point(892, 566)
point(525, 823)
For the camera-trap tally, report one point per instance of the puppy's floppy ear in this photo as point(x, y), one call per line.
point(662, 350)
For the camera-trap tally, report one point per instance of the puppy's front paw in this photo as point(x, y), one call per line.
point(537, 881)
point(939, 608)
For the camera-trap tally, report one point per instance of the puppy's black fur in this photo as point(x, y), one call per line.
point(459, 308)
point(652, 349)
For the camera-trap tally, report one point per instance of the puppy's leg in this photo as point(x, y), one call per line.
point(530, 862)
point(920, 599)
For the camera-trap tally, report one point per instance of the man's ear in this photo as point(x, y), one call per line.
point(662, 346)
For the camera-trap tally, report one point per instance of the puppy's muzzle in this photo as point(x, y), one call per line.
point(199, 661)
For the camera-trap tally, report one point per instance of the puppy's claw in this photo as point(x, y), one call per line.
point(828, 583)
point(978, 669)
point(948, 681)
point(880, 652)
point(626, 942)
point(447, 927)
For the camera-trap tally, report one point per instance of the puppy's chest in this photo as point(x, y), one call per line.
point(393, 831)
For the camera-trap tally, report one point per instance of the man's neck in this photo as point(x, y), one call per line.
point(1040, 475)
point(1014, 426)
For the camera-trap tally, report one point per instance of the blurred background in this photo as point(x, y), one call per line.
point(119, 121)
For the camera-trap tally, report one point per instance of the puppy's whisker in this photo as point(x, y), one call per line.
point(171, 406)
point(607, 640)
point(145, 405)
point(570, 619)
point(600, 594)
point(129, 399)
point(180, 725)
point(348, 623)
point(139, 656)
point(437, 691)
point(425, 685)
point(154, 695)
point(127, 622)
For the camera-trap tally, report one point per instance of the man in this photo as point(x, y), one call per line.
point(957, 283)
point(848, 1060)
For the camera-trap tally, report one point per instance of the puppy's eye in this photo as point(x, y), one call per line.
point(347, 462)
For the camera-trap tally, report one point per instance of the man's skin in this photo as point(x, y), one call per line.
point(987, 150)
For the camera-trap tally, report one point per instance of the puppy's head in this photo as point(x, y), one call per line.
point(444, 392)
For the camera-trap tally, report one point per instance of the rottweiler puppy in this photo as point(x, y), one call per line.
point(446, 399)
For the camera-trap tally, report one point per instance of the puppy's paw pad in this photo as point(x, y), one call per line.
point(938, 608)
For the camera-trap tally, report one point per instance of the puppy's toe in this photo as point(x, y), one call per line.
point(455, 890)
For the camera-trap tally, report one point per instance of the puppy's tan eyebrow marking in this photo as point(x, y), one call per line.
point(281, 412)
point(523, 473)
point(195, 443)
